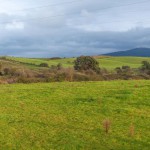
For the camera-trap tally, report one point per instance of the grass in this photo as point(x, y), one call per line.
point(105, 62)
point(113, 62)
point(37, 61)
point(71, 116)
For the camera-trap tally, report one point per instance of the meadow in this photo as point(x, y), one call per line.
point(72, 116)
point(109, 63)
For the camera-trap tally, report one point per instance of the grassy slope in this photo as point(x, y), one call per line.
point(113, 62)
point(106, 62)
point(66, 62)
point(68, 116)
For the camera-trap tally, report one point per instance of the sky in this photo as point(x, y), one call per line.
point(67, 28)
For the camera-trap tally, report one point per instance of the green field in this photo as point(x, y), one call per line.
point(105, 62)
point(70, 116)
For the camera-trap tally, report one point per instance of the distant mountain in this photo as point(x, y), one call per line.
point(139, 52)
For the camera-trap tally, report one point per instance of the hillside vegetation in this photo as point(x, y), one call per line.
point(105, 61)
point(84, 68)
point(68, 116)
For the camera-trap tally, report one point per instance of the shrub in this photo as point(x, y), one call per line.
point(7, 71)
point(56, 68)
point(59, 66)
point(4, 57)
point(86, 63)
point(1, 70)
point(145, 65)
point(60, 77)
point(81, 77)
point(104, 71)
point(123, 70)
point(44, 65)
point(118, 70)
point(125, 67)
point(69, 74)
point(29, 80)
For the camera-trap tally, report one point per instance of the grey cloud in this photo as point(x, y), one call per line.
point(81, 29)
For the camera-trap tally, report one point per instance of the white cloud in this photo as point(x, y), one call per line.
point(15, 26)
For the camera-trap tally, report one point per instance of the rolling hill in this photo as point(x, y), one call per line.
point(109, 63)
point(139, 52)
point(105, 62)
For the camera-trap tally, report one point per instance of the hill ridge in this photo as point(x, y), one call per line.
point(137, 52)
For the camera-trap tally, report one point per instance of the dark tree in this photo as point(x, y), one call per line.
point(145, 65)
point(86, 63)
point(43, 65)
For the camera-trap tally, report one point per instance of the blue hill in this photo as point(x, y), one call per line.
point(138, 52)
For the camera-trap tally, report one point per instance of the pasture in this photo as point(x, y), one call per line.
point(71, 116)
point(109, 63)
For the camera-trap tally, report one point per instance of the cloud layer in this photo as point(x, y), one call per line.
point(67, 28)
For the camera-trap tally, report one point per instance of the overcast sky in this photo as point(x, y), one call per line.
point(48, 28)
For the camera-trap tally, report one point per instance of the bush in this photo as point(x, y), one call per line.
point(56, 68)
point(59, 66)
point(29, 80)
point(1, 70)
point(7, 71)
point(44, 65)
point(123, 70)
point(4, 57)
point(86, 63)
point(81, 77)
point(145, 65)
point(118, 70)
point(125, 67)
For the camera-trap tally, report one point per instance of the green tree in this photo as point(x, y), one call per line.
point(86, 63)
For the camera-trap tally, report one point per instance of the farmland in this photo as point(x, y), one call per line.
point(71, 115)
point(105, 62)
